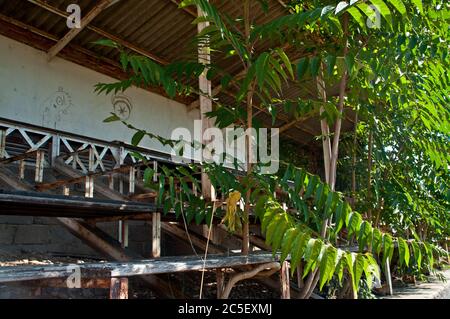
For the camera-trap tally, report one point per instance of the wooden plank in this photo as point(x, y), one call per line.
point(69, 36)
point(118, 288)
point(18, 157)
point(131, 268)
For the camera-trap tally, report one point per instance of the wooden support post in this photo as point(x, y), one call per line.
point(55, 151)
point(39, 174)
point(204, 57)
point(284, 278)
point(156, 235)
point(22, 169)
point(388, 277)
point(2, 142)
point(111, 181)
point(89, 187)
point(123, 233)
point(91, 159)
point(220, 279)
point(132, 180)
point(118, 288)
point(74, 161)
point(66, 190)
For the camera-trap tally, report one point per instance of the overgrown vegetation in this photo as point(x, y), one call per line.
point(393, 168)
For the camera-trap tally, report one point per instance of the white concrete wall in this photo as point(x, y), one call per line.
point(60, 95)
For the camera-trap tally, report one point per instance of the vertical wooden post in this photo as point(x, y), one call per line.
point(66, 190)
point(123, 224)
point(22, 169)
point(388, 277)
point(156, 235)
point(55, 149)
point(74, 161)
point(204, 57)
point(118, 288)
point(132, 181)
point(2, 142)
point(220, 279)
point(89, 187)
point(111, 181)
point(123, 233)
point(284, 278)
point(39, 174)
point(91, 159)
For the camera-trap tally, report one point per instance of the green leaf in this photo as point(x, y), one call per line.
point(298, 248)
point(388, 248)
point(312, 253)
point(286, 61)
point(340, 266)
point(106, 43)
point(311, 186)
point(356, 14)
point(419, 5)
point(403, 251)
point(330, 62)
point(398, 4)
point(350, 62)
point(354, 224)
point(417, 254)
point(383, 9)
point(359, 266)
point(314, 67)
point(137, 137)
point(376, 243)
point(288, 241)
point(350, 261)
point(327, 265)
point(260, 65)
point(279, 233)
point(148, 174)
point(112, 118)
point(365, 235)
point(302, 66)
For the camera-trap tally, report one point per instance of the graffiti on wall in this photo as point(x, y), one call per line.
point(56, 106)
point(122, 106)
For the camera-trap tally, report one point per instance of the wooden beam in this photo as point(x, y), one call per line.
point(18, 157)
point(96, 10)
point(102, 33)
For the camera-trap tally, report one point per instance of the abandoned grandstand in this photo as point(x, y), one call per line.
point(72, 197)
